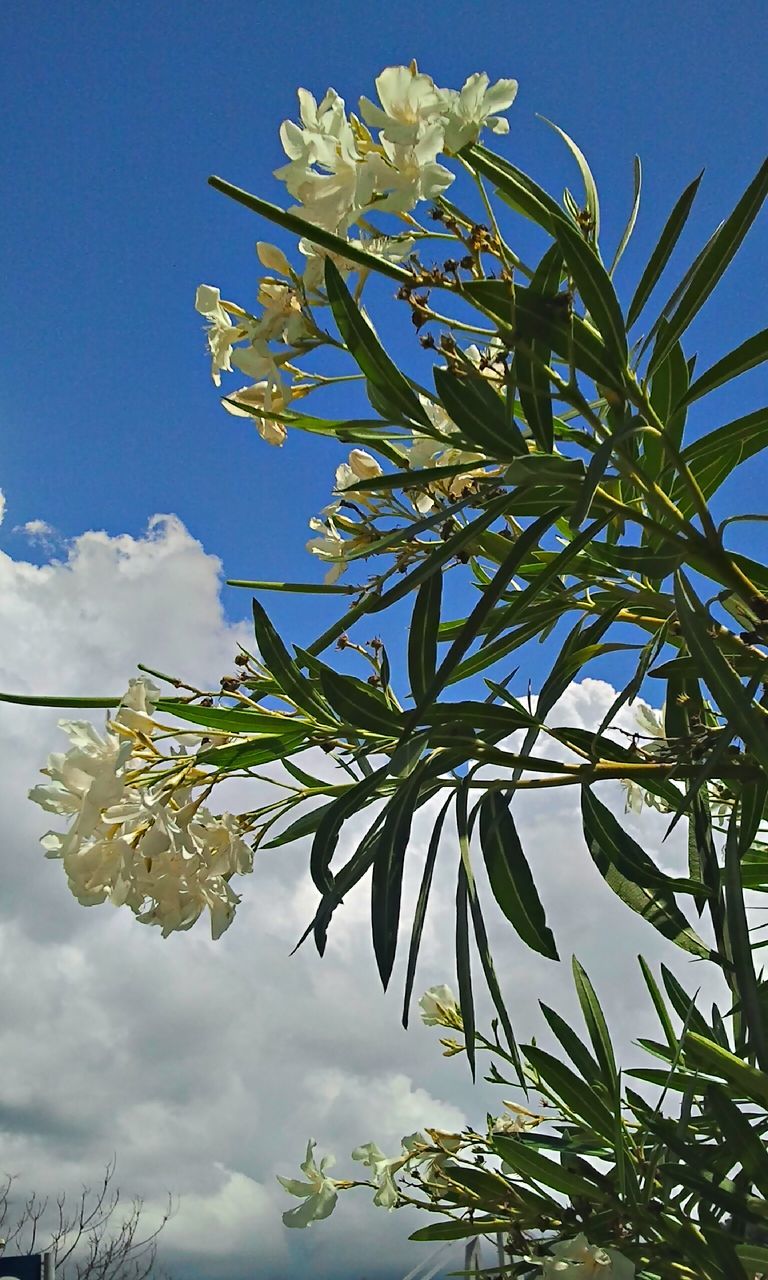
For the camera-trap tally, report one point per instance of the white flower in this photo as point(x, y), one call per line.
point(578, 1260)
point(222, 333)
point(382, 1169)
point(329, 545)
point(260, 396)
point(520, 1120)
point(412, 173)
point(409, 103)
point(361, 465)
point(273, 258)
point(439, 1008)
point(318, 1192)
point(473, 107)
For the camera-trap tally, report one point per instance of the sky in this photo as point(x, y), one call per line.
point(131, 495)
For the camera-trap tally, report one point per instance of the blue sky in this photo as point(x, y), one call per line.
point(115, 115)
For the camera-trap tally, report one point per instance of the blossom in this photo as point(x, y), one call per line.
point(382, 1169)
point(440, 1008)
point(360, 465)
point(222, 333)
point(409, 103)
point(318, 1192)
point(283, 316)
point(329, 543)
point(474, 106)
point(578, 1260)
point(260, 396)
point(520, 1120)
point(273, 258)
point(412, 173)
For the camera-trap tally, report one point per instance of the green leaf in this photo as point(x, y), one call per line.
point(753, 1258)
point(529, 316)
point(327, 836)
point(597, 292)
point(481, 935)
point(283, 669)
point(358, 704)
point(35, 700)
point(422, 636)
point(510, 876)
point(746, 356)
point(383, 375)
point(661, 253)
point(577, 1052)
point(306, 825)
point(624, 241)
point(719, 676)
point(596, 1025)
point(460, 1230)
point(531, 1164)
point(712, 458)
point(302, 588)
point(463, 965)
point(421, 907)
point(740, 947)
point(714, 262)
point(668, 387)
point(480, 414)
point(519, 549)
point(316, 235)
point(702, 1053)
point(630, 872)
point(744, 1145)
point(233, 719)
point(658, 1004)
point(252, 751)
point(515, 187)
point(387, 878)
point(590, 189)
point(585, 1103)
point(533, 382)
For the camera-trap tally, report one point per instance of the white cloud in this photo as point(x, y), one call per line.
point(207, 1067)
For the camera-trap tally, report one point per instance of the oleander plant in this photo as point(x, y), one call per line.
point(533, 443)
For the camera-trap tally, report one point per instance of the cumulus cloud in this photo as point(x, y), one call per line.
point(206, 1067)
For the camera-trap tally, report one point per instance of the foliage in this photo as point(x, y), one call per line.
point(551, 469)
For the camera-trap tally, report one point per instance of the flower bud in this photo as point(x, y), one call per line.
point(273, 258)
point(364, 466)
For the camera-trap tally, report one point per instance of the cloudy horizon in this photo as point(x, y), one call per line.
point(205, 1067)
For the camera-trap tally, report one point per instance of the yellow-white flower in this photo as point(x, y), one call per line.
point(273, 258)
point(222, 334)
point(439, 1008)
point(261, 396)
point(410, 102)
point(318, 1192)
point(360, 465)
point(577, 1259)
point(474, 107)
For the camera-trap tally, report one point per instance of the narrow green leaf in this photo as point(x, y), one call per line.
point(719, 676)
point(531, 1164)
point(358, 704)
point(360, 340)
point(302, 588)
point(532, 357)
point(715, 261)
point(480, 414)
point(590, 188)
point(38, 700)
point(702, 1053)
point(743, 1142)
point(661, 253)
point(422, 635)
point(740, 947)
point(421, 907)
point(519, 549)
point(683, 1004)
point(283, 669)
point(658, 1004)
point(624, 241)
point(577, 1052)
point(462, 1229)
point(585, 1103)
point(233, 719)
point(596, 1025)
point(634, 877)
point(327, 835)
point(510, 876)
point(251, 752)
point(387, 878)
point(464, 967)
point(746, 356)
point(712, 458)
point(596, 290)
point(515, 187)
point(668, 387)
point(316, 235)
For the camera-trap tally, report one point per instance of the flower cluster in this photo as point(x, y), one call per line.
point(577, 1259)
point(158, 851)
point(340, 174)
